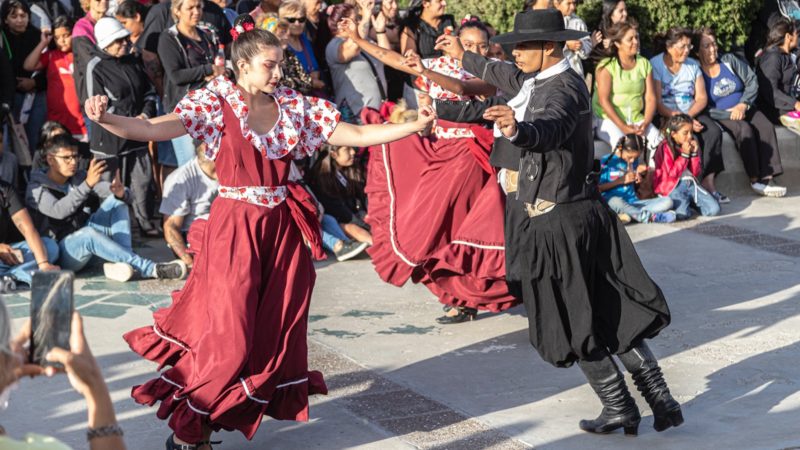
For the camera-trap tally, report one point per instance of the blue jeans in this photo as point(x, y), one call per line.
point(688, 193)
point(331, 232)
point(22, 272)
point(640, 210)
point(107, 236)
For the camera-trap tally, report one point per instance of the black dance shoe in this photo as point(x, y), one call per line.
point(462, 315)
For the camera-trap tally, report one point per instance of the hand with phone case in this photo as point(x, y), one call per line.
point(51, 313)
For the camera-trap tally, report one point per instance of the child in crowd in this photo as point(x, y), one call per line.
point(62, 99)
point(678, 167)
point(620, 173)
point(338, 181)
point(574, 51)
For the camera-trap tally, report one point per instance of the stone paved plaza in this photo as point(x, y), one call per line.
point(398, 379)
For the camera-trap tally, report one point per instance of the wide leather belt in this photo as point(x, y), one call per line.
point(510, 183)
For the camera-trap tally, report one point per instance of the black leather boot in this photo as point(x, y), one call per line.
point(647, 376)
point(619, 408)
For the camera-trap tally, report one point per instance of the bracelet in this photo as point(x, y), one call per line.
point(108, 430)
point(380, 32)
point(40, 263)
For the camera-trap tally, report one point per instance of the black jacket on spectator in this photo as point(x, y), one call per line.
point(19, 47)
point(60, 210)
point(159, 19)
point(776, 76)
point(129, 92)
point(83, 50)
point(8, 82)
point(180, 75)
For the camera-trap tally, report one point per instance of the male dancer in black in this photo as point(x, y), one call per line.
point(586, 292)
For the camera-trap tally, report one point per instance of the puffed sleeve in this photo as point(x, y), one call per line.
point(320, 118)
point(200, 112)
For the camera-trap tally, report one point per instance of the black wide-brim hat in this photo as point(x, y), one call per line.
point(545, 25)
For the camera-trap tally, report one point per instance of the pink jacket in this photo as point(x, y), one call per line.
point(669, 169)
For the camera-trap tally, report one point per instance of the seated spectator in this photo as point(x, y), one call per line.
point(18, 257)
point(574, 51)
point(120, 76)
point(732, 89)
point(84, 376)
point(188, 193)
point(9, 164)
point(52, 128)
point(778, 79)
point(131, 15)
point(61, 196)
point(677, 168)
point(20, 38)
point(358, 78)
point(620, 173)
point(338, 181)
point(294, 76)
point(187, 53)
point(680, 89)
point(624, 99)
point(294, 13)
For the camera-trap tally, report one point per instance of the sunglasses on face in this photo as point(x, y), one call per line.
point(296, 19)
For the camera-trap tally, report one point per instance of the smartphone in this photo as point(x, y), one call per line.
point(376, 9)
point(52, 304)
point(112, 162)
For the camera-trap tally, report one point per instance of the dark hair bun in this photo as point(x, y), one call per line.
point(242, 19)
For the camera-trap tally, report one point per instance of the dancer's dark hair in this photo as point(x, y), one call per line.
point(248, 40)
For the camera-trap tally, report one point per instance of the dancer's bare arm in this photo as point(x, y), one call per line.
point(161, 128)
point(349, 135)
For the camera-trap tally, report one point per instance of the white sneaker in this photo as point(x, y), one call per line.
point(118, 271)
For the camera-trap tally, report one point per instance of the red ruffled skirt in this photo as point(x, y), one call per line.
point(235, 335)
point(436, 217)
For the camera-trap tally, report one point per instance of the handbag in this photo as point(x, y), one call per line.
point(17, 138)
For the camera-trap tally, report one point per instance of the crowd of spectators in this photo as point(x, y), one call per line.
point(69, 188)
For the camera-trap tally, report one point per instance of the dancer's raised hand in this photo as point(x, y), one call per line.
point(95, 107)
point(503, 118)
point(425, 117)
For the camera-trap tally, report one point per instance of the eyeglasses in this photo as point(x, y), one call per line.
point(295, 19)
point(67, 158)
point(684, 47)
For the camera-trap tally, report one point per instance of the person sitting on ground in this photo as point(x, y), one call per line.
point(121, 76)
point(732, 88)
point(52, 128)
point(624, 99)
point(778, 77)
point(84, 375)
point(188, 194)
point(339, 181)
point(678, 166)
point(18, 258)
point(620, 173)
point(575, 51)
point(60, 197)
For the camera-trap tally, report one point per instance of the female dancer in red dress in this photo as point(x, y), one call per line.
point(435, 208)
point(235, 335)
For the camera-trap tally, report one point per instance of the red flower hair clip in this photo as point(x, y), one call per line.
point(470, 18)
point(240, 29)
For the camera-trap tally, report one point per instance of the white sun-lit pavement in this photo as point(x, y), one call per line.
point(398, 379)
